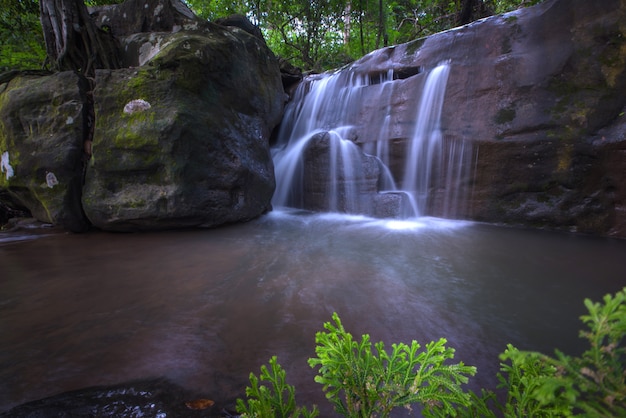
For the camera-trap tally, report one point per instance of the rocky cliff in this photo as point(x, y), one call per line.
point(539, 94)
point(179, 137)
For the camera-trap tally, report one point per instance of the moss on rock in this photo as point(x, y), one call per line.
point(211, 102)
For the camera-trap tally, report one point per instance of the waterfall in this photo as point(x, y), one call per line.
point(323, 111)
point(327, 160)
point(424, 148)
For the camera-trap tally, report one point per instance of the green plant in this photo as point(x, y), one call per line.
point(360, 383)
point(592, 385)
point(520, 378)
point(274, 401)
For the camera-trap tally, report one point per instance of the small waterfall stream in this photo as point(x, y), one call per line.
point(424, 149)
point(324, 163)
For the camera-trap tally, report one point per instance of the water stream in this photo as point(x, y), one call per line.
point(204, 308)
point(332, 108)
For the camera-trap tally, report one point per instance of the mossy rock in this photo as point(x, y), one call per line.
point(41, 138)
point(184, 139)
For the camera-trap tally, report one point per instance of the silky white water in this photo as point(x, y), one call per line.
point(425, 147)
point(330, 107)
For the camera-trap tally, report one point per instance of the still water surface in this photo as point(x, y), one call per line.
point(203, 308)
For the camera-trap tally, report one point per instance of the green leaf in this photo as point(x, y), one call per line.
point(274, 400)
point(363, 383)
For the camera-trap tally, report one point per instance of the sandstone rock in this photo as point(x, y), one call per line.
point(180, 139)
point(144, 16)
point(196, 153)
point(357, 183)
point(241, 22)
point(42, 125)
point(538, 93)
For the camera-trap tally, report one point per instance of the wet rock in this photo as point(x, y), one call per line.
point(179, 138)
point(539, 94)
point(183, 140)
point(42, 128)
point(144, 16)
point(10, 209)
point(355, 178)
point(290, 74)
point(149, 399)
point(241, 22)
point(392, 205)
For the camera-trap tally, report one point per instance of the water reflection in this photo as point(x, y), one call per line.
point(204, 308)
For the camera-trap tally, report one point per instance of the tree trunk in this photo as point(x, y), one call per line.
point(361, 35)
point(382, 27)
point(346, 25)
point(465, 16)
point(73, 41)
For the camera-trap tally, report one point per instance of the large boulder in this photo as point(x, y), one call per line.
point(42, 123)
point(338, 177)
point(144, 16)
point(177, 138)
point(539, 94)
point(183, 140)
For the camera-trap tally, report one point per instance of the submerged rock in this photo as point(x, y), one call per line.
point(151, 399)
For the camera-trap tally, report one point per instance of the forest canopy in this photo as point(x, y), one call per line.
point(311, 34)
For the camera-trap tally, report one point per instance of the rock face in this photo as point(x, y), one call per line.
point(539, 95)
point(355, 187)
point(181, 135)
point(183, 139)
point(151, 398)
point(42, 121)
point(179, 138)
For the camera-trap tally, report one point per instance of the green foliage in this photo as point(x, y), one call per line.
point(307, 32)
point(21, 38)
point(503, 6)
point(360, 383)
point(313, 34)
point(214, 9)
point(592, 385)
point(323, 34)
point(276, 400)
point(520, 378)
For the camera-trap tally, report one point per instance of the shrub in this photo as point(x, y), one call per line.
point(592, 385)
point(361, 383)
point(276, 401)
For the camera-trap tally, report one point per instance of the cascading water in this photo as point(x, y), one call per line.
point(424, 149)
point(322, 112)
point(319, 165)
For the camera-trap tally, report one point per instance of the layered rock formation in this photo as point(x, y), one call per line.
point(177, 138)
point(539, 96)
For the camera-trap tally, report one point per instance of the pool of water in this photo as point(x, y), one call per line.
point(204, 308)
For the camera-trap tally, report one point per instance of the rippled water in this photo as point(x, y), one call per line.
point(203, 308)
